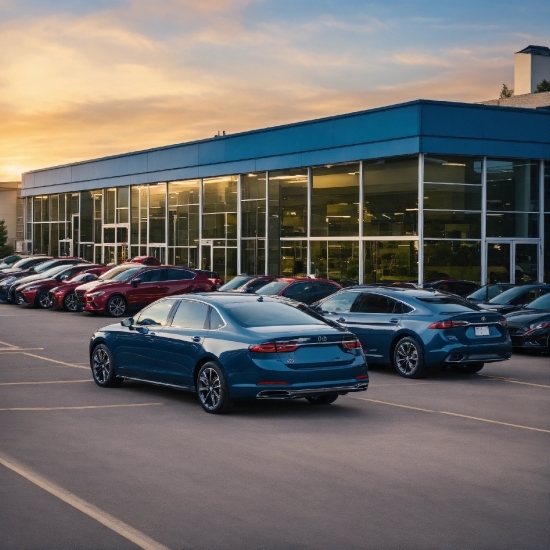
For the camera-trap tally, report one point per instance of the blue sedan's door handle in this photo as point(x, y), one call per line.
point(394, 320)
point(196, 338)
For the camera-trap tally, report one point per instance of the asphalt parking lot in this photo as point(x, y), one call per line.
point(446, 462)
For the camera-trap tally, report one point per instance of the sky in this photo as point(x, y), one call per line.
point(82, 79)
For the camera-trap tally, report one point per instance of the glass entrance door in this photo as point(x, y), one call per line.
point(206, 256)
point(510, 261)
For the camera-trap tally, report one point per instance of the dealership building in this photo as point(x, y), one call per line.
point(413, 191)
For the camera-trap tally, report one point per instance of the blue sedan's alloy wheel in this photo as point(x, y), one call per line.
point(408, 358)
point(212, 389)
point(103, 369)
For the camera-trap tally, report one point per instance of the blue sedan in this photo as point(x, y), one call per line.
point(414, 330)
point(227, 347)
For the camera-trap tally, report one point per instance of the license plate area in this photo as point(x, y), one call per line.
point(481, 331)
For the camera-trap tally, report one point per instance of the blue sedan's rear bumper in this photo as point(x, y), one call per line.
point(296, 393)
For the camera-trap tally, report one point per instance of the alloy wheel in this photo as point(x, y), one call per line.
point(209, 388)
point(117, 306)
point(71, 301)
point(45, 300)
point(101, 365)
point(406, 357)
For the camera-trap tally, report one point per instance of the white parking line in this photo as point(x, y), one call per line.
point(48, 382)
point(15, 349)
point(452, 414)
point(78, 408)
point(123, 529)
point(56, 361)
point(514, 381)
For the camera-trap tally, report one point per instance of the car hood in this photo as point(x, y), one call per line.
point(22, 283)
point(527, 317)
point(99, 285)
point(28, 279)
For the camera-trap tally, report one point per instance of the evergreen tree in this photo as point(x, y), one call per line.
point(5, 250)
point(544, 86)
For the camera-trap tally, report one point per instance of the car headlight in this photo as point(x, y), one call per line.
point(541, 325)
point(96, 294)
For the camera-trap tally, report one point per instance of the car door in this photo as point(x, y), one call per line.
point(374, 319)
point(182, 341)
point(338, 307)
point(301, 292)
point(139, 351)
point(179, 281)
point(151, 287)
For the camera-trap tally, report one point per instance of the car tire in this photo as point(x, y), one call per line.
point(408, 358)
point(43, 300)
point(116, 306)
point(212, 389)
point(103, 368)
point(70, 302)
point(469, 368)
point(325, 399)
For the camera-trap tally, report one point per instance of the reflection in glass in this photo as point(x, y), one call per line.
point(527, 264)
point(288, 203)
point(253, 256)
point(157, 213)
point(387, 261)
point(441, 224)
point(547, 187)
point(547, 248)
point(391, 197)
point(134, 217)
point(452, 169)
point(110, 206)
point(336, 260)
point(122, 205)
point(186, 256)
point(456, 259)
point(335, 201)
point(452, 197)
point(293, 258)
point(520, 225)
point(183, 223)
point(86, 216)
point(220, 208)
point(512, 185)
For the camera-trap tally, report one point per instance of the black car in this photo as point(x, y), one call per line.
point(488, 292)
point(515, 298)
point(529, 328)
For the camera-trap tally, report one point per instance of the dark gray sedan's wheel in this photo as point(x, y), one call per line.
point(408, 358)
point(212, 389)
point(70, 302)
point(44, 300)
point(116, 306)
point(470, 368)
point(325, 399)
point(103, 369)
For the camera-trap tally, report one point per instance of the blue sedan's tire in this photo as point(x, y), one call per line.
point(325, 399)
point(470, 368)
point(408, 358)
point(103, 368)
point(212, 389)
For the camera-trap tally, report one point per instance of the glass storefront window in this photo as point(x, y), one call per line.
point(547, 248)
point(143, 213)
point(390, 261)
point(134, 215)
point(337, 260)
point(37, 209)
point(253, 186)
point(157, 213)
point(183, 221)
point(452, 197)
point(55, 208)
point(288, 203)
point(390, 197)
point(335, 201)
point(520, 225)
point(186, 256)
point(293, 258)
point(220, 194)
point(86, 216)
point(253, 256)
point(512, 185)
point(456, 259)
point(253, 218)
point(547, 187)
point(452, 169)
point(123, 195)
point(441, 224)
point(110, 206)
point(108, 234)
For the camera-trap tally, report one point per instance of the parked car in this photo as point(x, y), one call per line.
point(8, 261)
point(44, 270)
point(300, 289)
point(415, 330)
point(215, 279)
point(130, 286)
point(227, 347)
point(37, 292)
point(488, 292)
point(64, 296)
point(145, 260)
point(247, 283)
point(530, 327)
point(515, 298)
point(454, 286)
point(23, 267)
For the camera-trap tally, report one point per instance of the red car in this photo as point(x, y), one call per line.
point(144, 260)
point(301, 289)
point(64, 295)
point(132, 286)
point(37, 292)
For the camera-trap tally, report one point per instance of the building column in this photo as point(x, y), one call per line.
point(541, 223)
point(361, 214)
point(421, 218)
point(484, 221)
point(308, 233)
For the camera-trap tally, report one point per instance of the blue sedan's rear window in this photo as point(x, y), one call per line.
point(447, 304)
point(264, 314)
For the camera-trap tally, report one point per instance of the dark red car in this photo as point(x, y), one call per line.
point(37, 292)
point(301, 289)
point(64, 295)
point(132, 286)
point(144, 260)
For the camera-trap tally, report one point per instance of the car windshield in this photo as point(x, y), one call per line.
point(448, 304)
point(236, 282)
point(509, 295)
point(78, 277)
point(272, 288)
point(9, 259)
point(52, 271)
point(487, 292)
point(264, 314)
point(45, 266)
point(24, 263)
point(121, 273)
point(542, 303)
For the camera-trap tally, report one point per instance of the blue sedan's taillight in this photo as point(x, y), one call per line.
point(449, 324)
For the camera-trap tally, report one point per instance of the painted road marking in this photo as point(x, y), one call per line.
point(15, 349)
point(6, 344)
point(49, 382)
point(123, 529)
point(78, 408)
point(514, 381)
point(452, 414)
point(56, 361)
